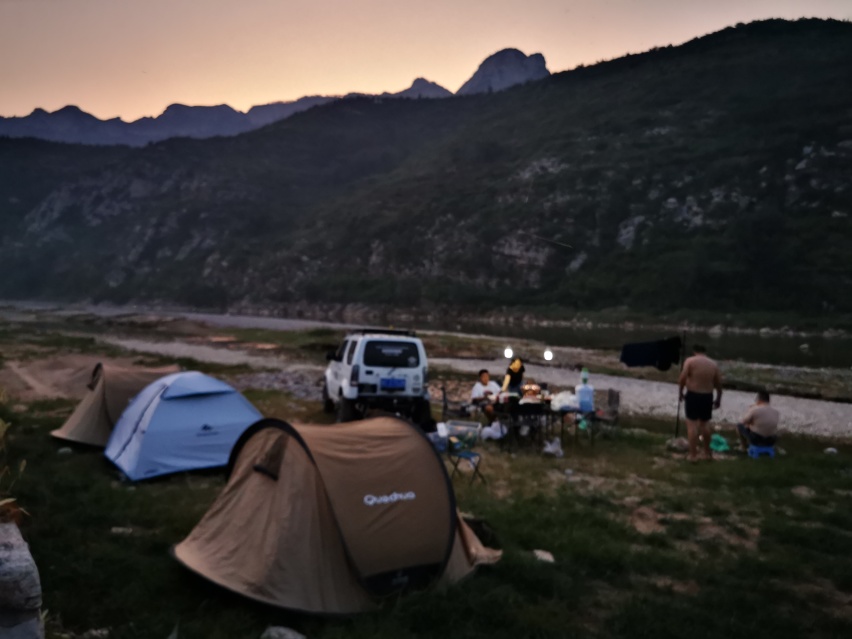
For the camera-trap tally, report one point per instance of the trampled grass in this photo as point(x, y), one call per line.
point(644, 545)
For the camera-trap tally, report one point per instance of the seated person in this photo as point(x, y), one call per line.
point(585, 393)
point(760, 424)
point(514, 378)
point(484, 394)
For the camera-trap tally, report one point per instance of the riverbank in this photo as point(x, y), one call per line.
point(452, 318)
point(814, 401)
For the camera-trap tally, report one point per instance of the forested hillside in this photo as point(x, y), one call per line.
point(714, 175)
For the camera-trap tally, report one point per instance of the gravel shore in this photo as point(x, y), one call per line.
point(644, 397)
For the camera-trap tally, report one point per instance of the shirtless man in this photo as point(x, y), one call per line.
point(700, 376)
point(760, 424)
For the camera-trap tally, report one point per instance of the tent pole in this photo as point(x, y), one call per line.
point(679, 399)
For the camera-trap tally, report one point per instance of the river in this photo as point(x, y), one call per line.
point(775, 349)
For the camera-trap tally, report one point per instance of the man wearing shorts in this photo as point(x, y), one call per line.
point(700, 376)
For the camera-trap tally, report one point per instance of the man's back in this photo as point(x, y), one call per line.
point(702, 374)
point(763, 420)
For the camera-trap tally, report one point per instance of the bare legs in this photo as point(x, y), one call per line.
point(744, 443)
point(694, 429)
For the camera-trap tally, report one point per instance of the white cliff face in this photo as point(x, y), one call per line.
point(505, 69)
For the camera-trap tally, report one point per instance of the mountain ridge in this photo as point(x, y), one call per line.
point(713, 175)
point(72, 124)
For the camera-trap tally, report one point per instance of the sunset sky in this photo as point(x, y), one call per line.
point(132, 58)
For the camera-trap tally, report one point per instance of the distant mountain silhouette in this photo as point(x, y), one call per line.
point(268, 113)
point(422, 88)
point(71, 124)
point(505, 69)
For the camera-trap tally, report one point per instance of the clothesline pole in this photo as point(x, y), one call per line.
point(679, 398)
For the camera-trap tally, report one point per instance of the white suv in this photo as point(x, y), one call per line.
point(377, 369)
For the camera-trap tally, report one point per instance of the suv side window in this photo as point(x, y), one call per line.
point(352, 346)
point(338, 355)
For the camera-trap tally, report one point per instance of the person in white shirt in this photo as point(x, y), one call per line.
point(484, 394)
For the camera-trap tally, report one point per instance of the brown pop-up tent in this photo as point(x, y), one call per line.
point(110, 389)
point(325, 519)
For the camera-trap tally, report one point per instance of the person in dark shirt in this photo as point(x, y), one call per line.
point(514, 378)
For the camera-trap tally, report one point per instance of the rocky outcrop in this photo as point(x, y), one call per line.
point(20, 587)
point(505, 69)
point(422, 88)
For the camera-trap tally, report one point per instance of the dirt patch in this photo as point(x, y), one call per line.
point(708, 530)
point(824, 595)
point(662, 582)
point(646, 521)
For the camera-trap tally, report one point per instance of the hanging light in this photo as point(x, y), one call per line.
point(508, 352)
point(548, 354)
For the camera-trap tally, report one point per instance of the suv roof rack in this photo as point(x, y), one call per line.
point(383, 331)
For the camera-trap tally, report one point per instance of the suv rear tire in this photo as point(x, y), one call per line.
point(346, 411)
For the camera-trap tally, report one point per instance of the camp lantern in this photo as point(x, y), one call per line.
point(548, 354)
point(508, 352)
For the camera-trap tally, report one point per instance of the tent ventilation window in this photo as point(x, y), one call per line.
point(270, 461)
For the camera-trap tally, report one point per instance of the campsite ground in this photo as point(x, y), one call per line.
point(644, 544)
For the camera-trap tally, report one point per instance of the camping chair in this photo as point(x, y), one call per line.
point(607, 418)
point(451, 409)
point(462, 438)
point(457, 454)
point(603, 421)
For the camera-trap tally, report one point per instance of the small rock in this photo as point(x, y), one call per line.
point(280, 632)
point(804, 347)
point(678, 444)
point(632, 502)
point(21, 625)
point(19, 408)
point(803, 492)
point(97, 633)
point(830, 451)
point(64, 451)
point(780, 451)
point(543, 555)
point(568, 472)
point(119, 530)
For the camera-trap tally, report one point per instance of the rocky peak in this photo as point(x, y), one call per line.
point(504, 69)
point(423, 88)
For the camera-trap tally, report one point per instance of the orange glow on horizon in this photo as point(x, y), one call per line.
point(135, 57)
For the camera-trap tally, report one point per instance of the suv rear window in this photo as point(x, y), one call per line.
point(391, 354)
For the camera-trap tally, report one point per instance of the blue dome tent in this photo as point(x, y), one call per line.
point(184, 421)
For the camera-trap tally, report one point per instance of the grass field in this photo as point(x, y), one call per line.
point(645, 545)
